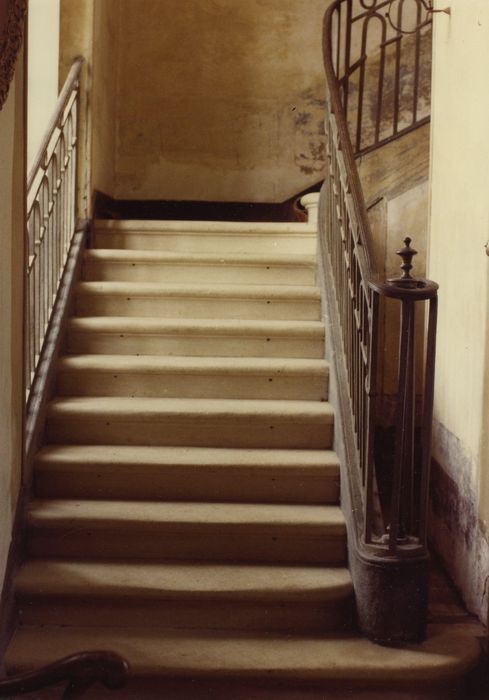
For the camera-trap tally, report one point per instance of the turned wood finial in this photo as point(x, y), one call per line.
point(406, 254)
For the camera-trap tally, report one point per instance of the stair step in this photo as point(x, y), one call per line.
point(279, 302)
point(307, 534)
point(190, 422)
point(187, 473)
point(195, 337)
point(184, 595)
point(206, 236)
point(197, 377)
point(156, 266)
point(186, 664)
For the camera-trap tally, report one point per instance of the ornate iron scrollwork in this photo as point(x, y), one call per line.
point(424, 8)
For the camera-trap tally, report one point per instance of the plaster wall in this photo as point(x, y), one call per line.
point(459, 228)
point(43, 59)
point(76, 39)
point(12, 207)
point(219, 100)
point(103, 96)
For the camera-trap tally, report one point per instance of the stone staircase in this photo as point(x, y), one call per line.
point(186, 509)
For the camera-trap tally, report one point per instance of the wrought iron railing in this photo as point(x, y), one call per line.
point(51, 218)
point(395, 526)
point(379, 51)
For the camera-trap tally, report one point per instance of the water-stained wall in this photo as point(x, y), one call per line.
point(218, 100)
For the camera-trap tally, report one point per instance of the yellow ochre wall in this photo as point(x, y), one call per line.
point(459, 230)
point(89, 29)
point(218, 100)
point(12, 207)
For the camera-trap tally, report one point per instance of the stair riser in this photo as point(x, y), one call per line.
point(244, 688)
point(276, 385)
point(197, 307)
point(237, 431)
point(171, 483)
point(199, 542)
point(193, 274)
point(302, 244)
point(267, 616)
point(193, 345)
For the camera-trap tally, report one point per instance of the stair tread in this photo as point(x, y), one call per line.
point(448, 652)
point(207, 228)
point(194, 365)
point(134, 324)
point(145, 514)
point(226, 258)
point(134, 580)
point(122, 455)
point(215, 290)
point(142, 407)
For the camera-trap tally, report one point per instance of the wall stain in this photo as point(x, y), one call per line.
point(303, 118)
point(309, 129)
point(457, 532)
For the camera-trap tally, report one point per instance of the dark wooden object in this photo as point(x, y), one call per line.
point(12, 16)
point(80, 671)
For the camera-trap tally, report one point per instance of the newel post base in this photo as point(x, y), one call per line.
point(310, 202)
point(391, 597)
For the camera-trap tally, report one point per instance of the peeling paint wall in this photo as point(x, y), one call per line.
point(456, 259)
point(221, 100)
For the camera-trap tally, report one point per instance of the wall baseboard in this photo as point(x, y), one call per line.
point(106, 207)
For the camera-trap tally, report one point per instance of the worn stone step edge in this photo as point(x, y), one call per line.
point(139, 409)
point(182, 473)
point(449, 652)
point(200, 582)
point(201, 291)
point(152, 530)
point(220, 366)
point(147, 515)
point(158, 257)
point(131, 324)
point(195, 337)
point(225, 228)
point(95, 456)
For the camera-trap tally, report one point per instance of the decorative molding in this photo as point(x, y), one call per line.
point(11, 34)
